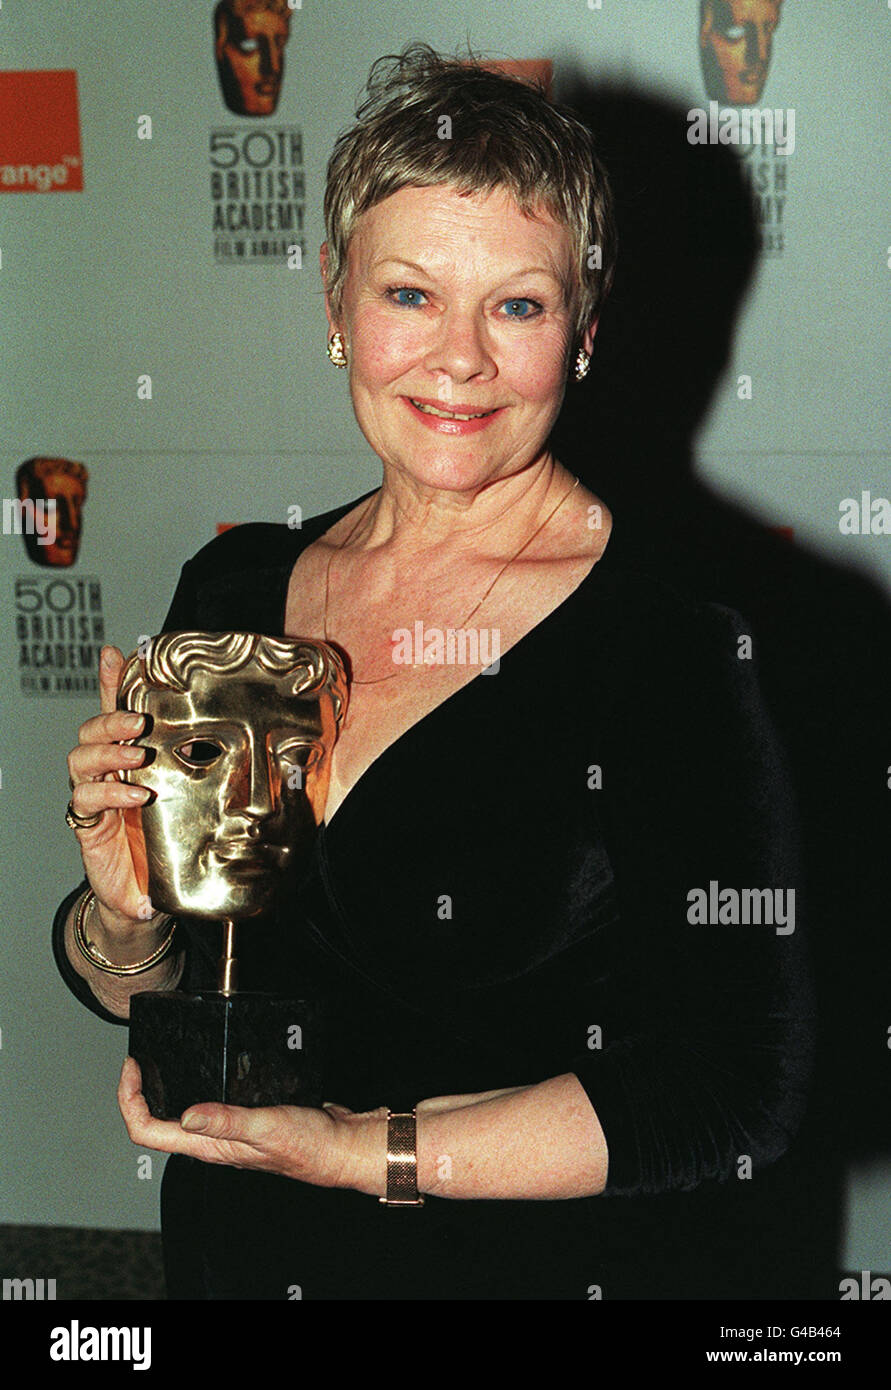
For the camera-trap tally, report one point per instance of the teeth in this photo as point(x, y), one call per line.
point(449, 415)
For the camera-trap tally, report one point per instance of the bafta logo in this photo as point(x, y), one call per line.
point(58, 486)
point(735, 41)
point(249, 44)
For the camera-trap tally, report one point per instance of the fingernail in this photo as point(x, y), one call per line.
point(134, 721)
point(195, 1121)
point(138, 793)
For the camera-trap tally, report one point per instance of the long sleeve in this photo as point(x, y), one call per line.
point(78, 986)
point(711, 1060)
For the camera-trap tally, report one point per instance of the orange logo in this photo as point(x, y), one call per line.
point(40, 133)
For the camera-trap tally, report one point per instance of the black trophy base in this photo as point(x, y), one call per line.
point(242, 1049)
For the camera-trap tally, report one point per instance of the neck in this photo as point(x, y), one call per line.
point(410, 519)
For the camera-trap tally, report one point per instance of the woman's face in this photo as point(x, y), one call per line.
point(459, 303)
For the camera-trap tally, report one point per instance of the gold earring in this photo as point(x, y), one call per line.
point(582, 363)
point(336, 350)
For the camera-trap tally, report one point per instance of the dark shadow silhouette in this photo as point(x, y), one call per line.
point(822, 642)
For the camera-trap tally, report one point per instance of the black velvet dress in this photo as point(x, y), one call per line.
point(568, 949)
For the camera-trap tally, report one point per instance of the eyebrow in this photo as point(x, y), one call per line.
point(515, 275)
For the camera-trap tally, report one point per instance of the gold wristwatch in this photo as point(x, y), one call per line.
point(402, 1162)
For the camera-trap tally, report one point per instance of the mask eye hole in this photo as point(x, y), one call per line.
point(301, 755)
point(199, 752)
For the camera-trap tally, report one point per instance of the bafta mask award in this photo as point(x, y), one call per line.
point(239, 733)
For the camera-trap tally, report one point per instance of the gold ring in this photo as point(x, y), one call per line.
point(78, 822)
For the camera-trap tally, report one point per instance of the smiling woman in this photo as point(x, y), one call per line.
point(527, 1040)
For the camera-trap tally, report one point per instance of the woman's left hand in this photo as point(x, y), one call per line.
point(333, 1147)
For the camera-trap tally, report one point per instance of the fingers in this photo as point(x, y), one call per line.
point(142, 1127)
point(108, 728)
point(290, 1140)
point(221, 1122)
point(91, 761)
point(436, 1104)
point(249, 1126)
point(101, 750)
point(343, 1112)
point(111, 660)
point(100, 753)
point(88, 798)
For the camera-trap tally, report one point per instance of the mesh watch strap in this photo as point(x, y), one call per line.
point(402, 1162)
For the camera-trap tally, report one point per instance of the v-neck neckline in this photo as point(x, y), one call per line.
point(336, 514)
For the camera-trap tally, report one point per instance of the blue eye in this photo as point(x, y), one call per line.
point(535, 305)
point(409, 298)
point(405, 289)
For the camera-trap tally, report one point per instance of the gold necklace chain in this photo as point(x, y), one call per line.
point(506, 565)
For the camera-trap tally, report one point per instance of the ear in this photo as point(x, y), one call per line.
point(589, 335)
point(323, 267)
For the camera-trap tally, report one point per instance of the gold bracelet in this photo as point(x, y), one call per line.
point(94, 956)
point(402, 1162)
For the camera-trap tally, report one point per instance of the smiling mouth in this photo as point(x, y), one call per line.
point(449, 414)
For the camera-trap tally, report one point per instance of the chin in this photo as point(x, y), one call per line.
point(451, 474)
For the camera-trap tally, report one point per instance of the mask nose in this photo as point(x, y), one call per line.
point(253, 794)
point(270, 62)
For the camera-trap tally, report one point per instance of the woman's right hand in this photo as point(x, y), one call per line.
point(113, 850)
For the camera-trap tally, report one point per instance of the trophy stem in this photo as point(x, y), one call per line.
point(228, 965)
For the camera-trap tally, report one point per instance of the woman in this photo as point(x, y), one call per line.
point(499, 912)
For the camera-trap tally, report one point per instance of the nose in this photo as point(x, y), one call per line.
point(461, 351)
point(270, 59)
point(756, 44)
point(253, 793)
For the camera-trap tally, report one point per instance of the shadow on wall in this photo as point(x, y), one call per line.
point(822, 632)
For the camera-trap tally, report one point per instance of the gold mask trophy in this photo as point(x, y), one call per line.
point(240, 733)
